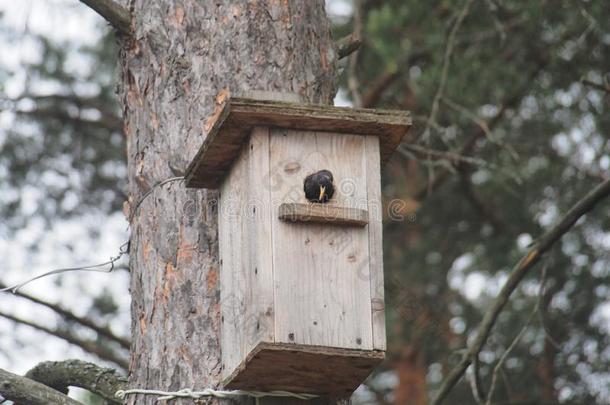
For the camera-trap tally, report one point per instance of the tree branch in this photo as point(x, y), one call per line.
point(373, 95)
point(87, 345)
point(480, 205)
point(117, 15)
point(22, 390)
point(597, 86)
point(528, 261)
point(69, 316)
point(352, 69)
point(464, 150)
point(348, 45)
point(59, 375)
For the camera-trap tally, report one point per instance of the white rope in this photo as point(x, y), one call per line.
point(209, 392)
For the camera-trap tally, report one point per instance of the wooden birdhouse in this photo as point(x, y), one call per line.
point(301, 283)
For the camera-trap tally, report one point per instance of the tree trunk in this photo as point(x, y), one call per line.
point(411, 370)
point(181, 55)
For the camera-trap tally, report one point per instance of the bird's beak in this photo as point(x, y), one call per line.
point(322, 192)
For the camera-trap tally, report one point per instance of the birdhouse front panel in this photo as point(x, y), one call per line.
point(301, 270)
point(321, 271)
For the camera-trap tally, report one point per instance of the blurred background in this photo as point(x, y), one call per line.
point(510, 104)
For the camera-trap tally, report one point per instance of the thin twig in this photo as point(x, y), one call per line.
point(528, 261)
point(352, 70)
point(70, 316)
point(597, 86)
point(443, 81)
point(481, 124)
point(89, 346)
point(509, 349)
point(475, 382)
point(453, 157)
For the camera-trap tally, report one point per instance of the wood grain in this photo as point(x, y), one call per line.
point(321, 272)
point(257, 211)
point(323, 213)
point(304, 369)
point(246, 268)
point(233, 121)
point(234, 265)
point(375, 229)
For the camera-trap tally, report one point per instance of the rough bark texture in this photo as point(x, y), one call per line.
point(60, 375)
point(24, 391)
point(181, 55)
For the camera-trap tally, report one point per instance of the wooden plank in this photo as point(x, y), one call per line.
point(321, 272)
point(234, 262)
point(259, 326)
point(375, 228)
point(323, 213)
point(304, 369)
point(231, 124)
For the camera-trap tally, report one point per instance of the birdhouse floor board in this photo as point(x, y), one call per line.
point(232, 122)
point(323, 213)
point(304, 369)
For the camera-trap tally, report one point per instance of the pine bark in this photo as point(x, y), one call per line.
point(179, 56)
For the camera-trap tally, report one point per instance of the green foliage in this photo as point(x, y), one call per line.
point(64, 152)
point(548, 149)
point(517, 65)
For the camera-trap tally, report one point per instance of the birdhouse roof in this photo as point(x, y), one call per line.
point(232, 121)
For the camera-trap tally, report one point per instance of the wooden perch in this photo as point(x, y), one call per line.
point(528, 261)
point(113, 12)
point(325, 214)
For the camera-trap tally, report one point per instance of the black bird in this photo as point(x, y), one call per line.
point(319, 186)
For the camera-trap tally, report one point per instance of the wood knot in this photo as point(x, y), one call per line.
point(292, 167)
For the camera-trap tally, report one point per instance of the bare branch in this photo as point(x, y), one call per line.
point(455, 159)
point(488, 212)
point(373, 95)
point(87, 345)
point(59, 375)
point(498, 367)
point(481, 124)
point(443, 81)
point(352, 70)
point(528, 261)
point(69, 316)
point(113, 12)
point(597, 86)
point(22, 390)
point(348, 45)
point(464, 150)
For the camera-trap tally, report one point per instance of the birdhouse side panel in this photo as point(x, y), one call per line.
point(375, 228)
point(321, 271)
point(246, 276)
point(260, 306)
point(231, 235)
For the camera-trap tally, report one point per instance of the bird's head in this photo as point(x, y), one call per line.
point(325, 184)
point(319, 186)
